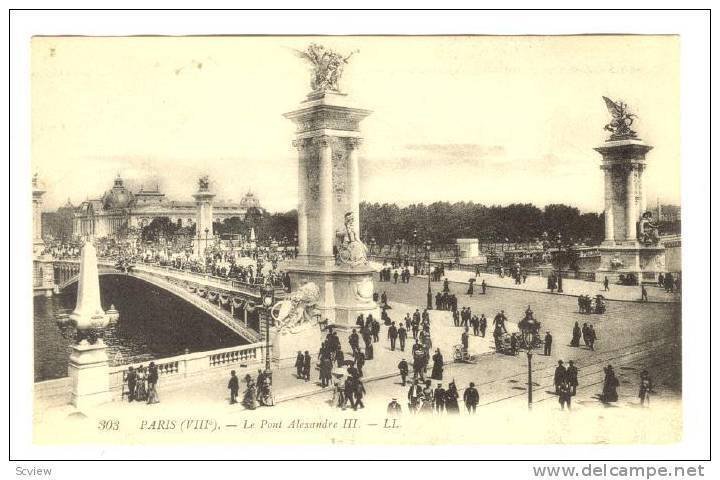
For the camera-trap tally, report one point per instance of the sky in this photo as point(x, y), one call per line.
point(494, 120)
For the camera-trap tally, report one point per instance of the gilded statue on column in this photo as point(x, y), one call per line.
point(327, 65)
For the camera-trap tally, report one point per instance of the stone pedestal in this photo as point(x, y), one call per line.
point(327, 140)
point(621, 253)
point(89, 371)
point(286, 345)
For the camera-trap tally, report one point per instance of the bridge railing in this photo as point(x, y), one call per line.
point(182, 366)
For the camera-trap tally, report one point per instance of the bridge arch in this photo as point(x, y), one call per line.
point(218, 313)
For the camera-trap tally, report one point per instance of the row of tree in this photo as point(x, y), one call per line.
point(439, 222)
point(443, 222)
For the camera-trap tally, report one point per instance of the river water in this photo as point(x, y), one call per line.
point(153, 324)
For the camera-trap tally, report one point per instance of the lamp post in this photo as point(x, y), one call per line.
point(528, 342)
point(415, 257)
point(428, 245)
point(268, 298)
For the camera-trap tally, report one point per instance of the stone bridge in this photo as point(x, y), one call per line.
point(228, 301)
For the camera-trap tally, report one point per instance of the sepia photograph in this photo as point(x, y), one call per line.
point(357, 240)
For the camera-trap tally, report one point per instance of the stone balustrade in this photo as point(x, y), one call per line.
point(183, 366)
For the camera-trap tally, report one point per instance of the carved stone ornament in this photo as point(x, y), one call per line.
point(297, 312)
point(327, 67)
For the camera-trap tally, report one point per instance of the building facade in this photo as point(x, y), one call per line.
point(119, 208)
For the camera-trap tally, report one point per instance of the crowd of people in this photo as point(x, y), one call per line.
point(140, 384)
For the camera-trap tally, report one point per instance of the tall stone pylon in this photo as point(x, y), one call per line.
point(37, 193)
point(204, 223)
point(89, 368)
point(631, 245)
point(328, 138)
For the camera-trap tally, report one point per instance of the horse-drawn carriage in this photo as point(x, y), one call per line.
point(592, 305)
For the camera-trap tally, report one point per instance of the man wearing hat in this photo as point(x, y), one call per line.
point(394, 409)
point(548, 344)
point(560, 375)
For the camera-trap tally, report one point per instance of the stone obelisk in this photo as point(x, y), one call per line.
point(89, 367)
point(327, 139)
point(631, 244)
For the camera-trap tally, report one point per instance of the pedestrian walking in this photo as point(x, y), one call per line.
point(404, 370)
point(564, 395)
point(606, 282)
point(438, 364)
point(131, 379)
point(548, 344)
point(643, 294)
point(576, 334)
point(571, 376)
point(471, 398)
point(234, 387)
point(392, 335)
point(560, 373)
point(439, 396)
point(610, 384)
point(306, 367)
point(152, 380)
point(402, 337)
point(299, 362)
point(645, 388)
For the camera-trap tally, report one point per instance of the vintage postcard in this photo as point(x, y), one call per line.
point(357, 240)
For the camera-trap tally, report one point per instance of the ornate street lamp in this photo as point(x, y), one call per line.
point(268, 298)
point(428, 245)
point(528, 337)
point(415, 258)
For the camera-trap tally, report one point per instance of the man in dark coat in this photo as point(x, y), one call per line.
point(471, 398)
point(404, 369)
point(132, 383)
point(499, 321)
point(483, 324)
point(359, 394)
point(306, 366)
point(350, 390)
point(439, 396)
point(571, 376)
point(483, 285)
point(402, 336)
point(394, 409)
point(234, 387)
point(548, 344)
point(438, 301)
point(560, 374)
point(354, 341)
point(465, 339)
point(376, 331)
point(360, 363)
point(392, 335)
point(299, 362)
point(414, 395)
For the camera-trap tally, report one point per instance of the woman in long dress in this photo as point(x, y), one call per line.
point(249, 397)
point(437, 370)
point(428, 398)
point(451, 399)
point(141, 387)
point(575, 342)
point(609, 393)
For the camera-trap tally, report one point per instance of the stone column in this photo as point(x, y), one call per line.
point(354, 180)
point(630, 210)
point(326, 198)
point(302, 197)
point(609, 217)
point(643, 199)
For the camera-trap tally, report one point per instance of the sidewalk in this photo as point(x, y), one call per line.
point(571, 286)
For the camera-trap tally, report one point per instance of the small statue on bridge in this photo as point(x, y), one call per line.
point(204, 183)
point(297, 311)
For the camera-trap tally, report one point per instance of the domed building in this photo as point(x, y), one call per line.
point(119, 208)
